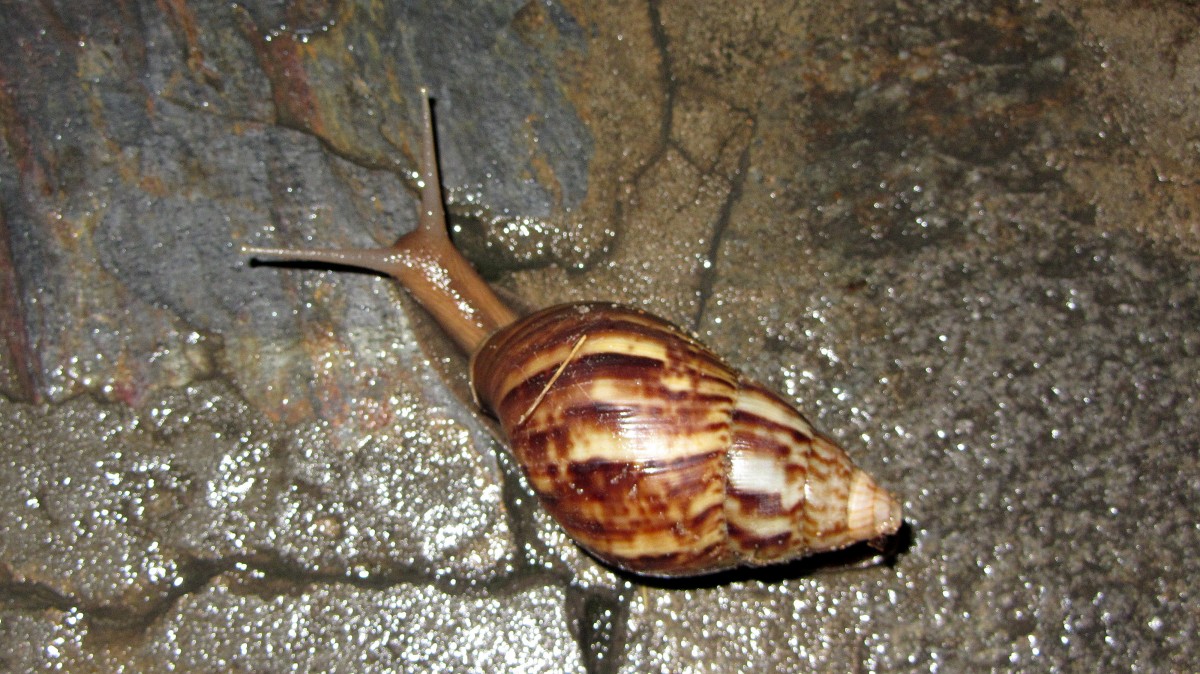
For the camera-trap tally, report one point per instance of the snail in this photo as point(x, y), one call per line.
point(649, 450)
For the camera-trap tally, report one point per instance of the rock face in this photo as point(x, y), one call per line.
point(963, 234)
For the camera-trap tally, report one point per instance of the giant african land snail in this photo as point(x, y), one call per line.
point(649, 450)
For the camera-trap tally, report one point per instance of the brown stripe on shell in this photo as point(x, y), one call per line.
point(763, 504)
point(541, 341)
point(771, 411)
point(628, 428)
point(757, 549)
point(679, 522)
point(624, 491)
point(641, 379)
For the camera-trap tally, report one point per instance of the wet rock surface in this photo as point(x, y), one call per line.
point(961, 236)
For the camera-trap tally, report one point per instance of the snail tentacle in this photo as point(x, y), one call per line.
point(424, 261)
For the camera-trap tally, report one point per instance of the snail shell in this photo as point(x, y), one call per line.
point(659, 458)
point(649, 450)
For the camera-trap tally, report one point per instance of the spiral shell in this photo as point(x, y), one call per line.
point(659, 458)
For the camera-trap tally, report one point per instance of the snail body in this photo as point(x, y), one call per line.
point(647, 448)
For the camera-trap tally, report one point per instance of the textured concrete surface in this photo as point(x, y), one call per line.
point(963, 236)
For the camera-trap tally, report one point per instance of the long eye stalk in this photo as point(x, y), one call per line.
point(424, 261)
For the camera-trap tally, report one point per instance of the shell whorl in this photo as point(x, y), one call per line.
point(657, 456)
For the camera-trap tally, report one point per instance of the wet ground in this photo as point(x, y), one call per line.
point(963, 237)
